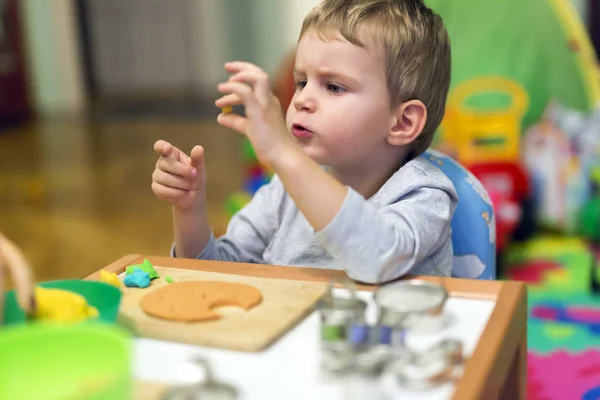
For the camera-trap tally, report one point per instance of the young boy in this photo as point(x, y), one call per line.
point(350, 190)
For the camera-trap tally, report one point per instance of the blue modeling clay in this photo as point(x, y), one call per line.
point(138, 278)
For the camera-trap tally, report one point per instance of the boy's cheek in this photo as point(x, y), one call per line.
point(289, 117)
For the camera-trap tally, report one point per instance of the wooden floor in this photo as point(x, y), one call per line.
point(75, 196)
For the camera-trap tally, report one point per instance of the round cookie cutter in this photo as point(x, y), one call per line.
point(430, 368)
point(346, 359)
point(337, 313)
point(407, 304)
point(208, 389)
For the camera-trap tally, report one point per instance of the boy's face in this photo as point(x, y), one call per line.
point(340, 113)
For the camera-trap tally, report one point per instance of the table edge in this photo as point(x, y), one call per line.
point(457, 287)
point(489, 366)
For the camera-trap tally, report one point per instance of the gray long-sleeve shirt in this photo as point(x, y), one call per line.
point(404, 228)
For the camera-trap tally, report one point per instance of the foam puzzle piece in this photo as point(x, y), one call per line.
point(562, 375)
point(145, 266)
point(562, 321)
point(137, 278)
point(533, 272)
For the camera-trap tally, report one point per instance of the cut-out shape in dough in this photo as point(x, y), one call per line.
point(193, 301)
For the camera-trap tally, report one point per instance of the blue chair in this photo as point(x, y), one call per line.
point(473, 223)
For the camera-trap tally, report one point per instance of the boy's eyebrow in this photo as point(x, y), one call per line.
point(329, 74)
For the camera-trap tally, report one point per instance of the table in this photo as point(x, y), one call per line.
point(496, 368)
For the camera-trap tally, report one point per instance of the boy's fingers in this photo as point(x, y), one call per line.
point(167, 150)
point(259, 79)
point(197, 159)
point(170, 194)
point(173, 181)
point(184, 158)
point(163, 148)
point(245, 92)
point(233, 121)
point(235, 66)
point(228, 100)
point(175, 167)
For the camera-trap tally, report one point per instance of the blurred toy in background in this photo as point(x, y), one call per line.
point(256, 173)
point(589, 215)
point(486, 140)
point(255, 176)
point(285, 85)
point(489, 132)
point(551, 59)
point(562, 152)
point(524, 67)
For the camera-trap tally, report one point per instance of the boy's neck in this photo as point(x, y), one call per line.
point(368, 178)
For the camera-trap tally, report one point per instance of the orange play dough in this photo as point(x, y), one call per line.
point(193, 301)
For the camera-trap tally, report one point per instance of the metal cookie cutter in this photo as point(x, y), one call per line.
point(430, 368)
point(338, 313)
point(372, 361)
point(208, 389)
point(403, 305)
point(347, 359)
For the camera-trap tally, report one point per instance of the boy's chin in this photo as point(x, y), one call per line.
point(315, 154)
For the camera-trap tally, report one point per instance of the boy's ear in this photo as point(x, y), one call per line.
point(408, 122)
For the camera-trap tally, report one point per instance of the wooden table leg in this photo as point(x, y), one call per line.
point(515, 387)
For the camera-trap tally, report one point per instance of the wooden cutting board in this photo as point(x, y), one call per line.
point(284, 304)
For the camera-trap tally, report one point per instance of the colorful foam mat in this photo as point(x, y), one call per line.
point(564, 317)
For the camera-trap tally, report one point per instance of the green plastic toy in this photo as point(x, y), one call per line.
point(589, 219)
point(105, 297)
point(52, 362)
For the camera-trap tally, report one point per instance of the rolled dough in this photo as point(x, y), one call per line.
point(193, 301)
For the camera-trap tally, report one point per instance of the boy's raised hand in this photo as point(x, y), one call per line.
point(263, 124)
point(178, 178)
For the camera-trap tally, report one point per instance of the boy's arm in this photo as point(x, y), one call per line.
point(373, 245)
point(318, 195)
point(379, 245)
point(248, 233)
point(191, 230)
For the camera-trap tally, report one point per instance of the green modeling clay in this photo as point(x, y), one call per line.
point(169, 279)
point(146, 266)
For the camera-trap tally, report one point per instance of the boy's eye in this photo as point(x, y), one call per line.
point(300, 84)
point(332, 87)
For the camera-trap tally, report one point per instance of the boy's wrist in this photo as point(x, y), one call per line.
point(198, 206)
point(288, 159)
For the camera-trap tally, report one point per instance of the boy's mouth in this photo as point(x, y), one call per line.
point(300, 131)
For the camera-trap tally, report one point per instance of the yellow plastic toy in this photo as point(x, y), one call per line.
point(227, 110)
point(485, 135)
point(61, 306)
point(110, 278)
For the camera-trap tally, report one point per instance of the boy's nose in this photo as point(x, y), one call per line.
point(303, 101)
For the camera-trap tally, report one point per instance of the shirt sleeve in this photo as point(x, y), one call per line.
point(249, 231)
point(378, 245)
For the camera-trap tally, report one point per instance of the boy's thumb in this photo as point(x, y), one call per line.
point(197, 157)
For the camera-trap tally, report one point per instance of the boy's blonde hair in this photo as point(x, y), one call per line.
point(415, 45)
